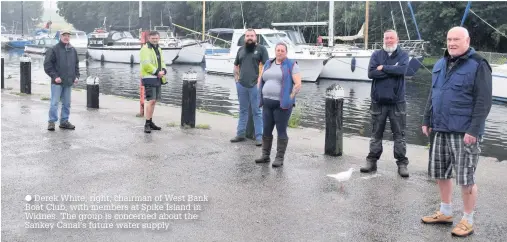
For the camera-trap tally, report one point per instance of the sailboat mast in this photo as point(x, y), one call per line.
point(203, 18)
point(404, 21)
point(366, 26)
point(330, 31)
point(22, 18)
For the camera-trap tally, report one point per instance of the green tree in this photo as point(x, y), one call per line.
point(11, 15)
point(434, 18)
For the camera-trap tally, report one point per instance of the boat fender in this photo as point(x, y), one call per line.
point(132, 59)
point(353, 64)
point(102, 58)
point(87, 55)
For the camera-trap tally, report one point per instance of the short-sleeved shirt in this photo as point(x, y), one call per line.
point(273, 80)
point(249, 64)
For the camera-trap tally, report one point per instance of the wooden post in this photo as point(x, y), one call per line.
point(92, 92)
point(25, 77)
point(189, 100)
point(2, 73)
point(334, 120)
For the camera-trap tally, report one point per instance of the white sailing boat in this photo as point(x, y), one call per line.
point(192, 51)
point(500, 82)
point(223, 63)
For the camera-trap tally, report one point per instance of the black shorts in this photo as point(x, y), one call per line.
point(152, 93)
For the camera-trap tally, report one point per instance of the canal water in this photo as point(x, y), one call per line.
point(218, 94)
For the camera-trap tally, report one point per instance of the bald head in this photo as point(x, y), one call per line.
point(458, 41)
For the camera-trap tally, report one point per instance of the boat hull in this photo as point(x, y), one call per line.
point(499, 87)
point(346, 68)
point(191, 54)
point(18, 43)
point(224, 65)
point(35, 50)
point(127, 55)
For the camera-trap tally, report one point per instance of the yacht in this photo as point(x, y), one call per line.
point(499, 82)
point(120, 46)
point(223, 63)
point(192, 51)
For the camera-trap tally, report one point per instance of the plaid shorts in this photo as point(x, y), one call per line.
point(448, 150)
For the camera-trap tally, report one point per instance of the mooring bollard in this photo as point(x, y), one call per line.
point(25, 77)
point(92, 92)
point(2, 73)
point(334, 120)
point(189, 99)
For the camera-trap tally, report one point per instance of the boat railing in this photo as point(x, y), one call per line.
point(494, 58)
point(413, 47)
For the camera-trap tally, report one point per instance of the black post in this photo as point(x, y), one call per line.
point(250, 132)
point(92, 92)
point(2, 73)
point(334, 120)
point(189, 100)
point(25, 77)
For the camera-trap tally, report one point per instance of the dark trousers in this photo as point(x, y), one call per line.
point(397, 117)
point(272, 116)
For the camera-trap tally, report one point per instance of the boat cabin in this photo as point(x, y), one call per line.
point(266, 37)
point(113, 38)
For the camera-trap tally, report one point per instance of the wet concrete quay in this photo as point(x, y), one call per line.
point(108, 154)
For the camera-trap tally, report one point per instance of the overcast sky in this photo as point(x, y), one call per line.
point(50, 4)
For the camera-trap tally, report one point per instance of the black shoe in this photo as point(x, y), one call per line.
point(51, 126)
point(67, 125)
point(147, 128)
point(154, 127)
point(403, 170)
point(281, 147)
point(370, 166)
point(237, 139)
point(266, 150)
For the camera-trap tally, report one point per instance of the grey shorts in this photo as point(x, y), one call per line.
point(448, 150)
point(152, 93)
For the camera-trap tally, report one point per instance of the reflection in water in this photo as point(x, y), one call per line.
point(218, 93)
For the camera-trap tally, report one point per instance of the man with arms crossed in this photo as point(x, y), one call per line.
point(387, 69)
point(455, 116)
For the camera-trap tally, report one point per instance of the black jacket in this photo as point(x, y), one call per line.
point(388, 85)
point(62, 61)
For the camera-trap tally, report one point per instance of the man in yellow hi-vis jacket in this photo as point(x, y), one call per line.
point(153, 73)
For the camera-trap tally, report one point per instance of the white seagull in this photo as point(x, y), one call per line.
point(342, 176)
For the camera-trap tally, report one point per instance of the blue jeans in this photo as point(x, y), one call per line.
point(247, 97)
point(59, 92)
point(275, 116)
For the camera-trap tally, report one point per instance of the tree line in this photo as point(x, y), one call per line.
point(433, 18)
point(11, 16)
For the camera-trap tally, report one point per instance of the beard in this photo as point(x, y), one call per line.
point(250, 46)
point(390, 49)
